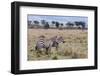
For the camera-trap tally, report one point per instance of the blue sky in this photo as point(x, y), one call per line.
point(62, 19)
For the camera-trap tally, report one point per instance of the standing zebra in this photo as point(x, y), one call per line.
point(47, 44)
point(57, 41)
point(43, 43)
point(40, 43)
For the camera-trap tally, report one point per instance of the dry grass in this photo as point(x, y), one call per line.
point(74, 48)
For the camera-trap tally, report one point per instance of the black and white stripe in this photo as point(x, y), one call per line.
point(40, 43)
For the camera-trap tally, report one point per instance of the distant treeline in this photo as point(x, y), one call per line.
point(56, 25)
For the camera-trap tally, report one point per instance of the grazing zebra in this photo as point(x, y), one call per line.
point(47, 44)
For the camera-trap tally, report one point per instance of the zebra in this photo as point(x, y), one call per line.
point(47, 44)
point(57, 41)
point(40, 43)
point(43, 43)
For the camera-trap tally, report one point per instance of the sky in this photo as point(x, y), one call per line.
point(61, 19)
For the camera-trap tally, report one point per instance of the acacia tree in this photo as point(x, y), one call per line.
point(69, 24)
point(43, 22)
point(83, 24)
point(57, 24)
point(80, 23)
point(46, 26)
point(36, 22)
point(53, 23)
point(61, 25)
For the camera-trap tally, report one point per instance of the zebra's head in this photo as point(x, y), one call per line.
point(60, 40)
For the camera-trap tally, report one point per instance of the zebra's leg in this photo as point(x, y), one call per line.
point(36, 48)
point(47, 50)
point(37, 51)
point(57, 48)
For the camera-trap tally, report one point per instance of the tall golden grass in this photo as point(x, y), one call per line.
point(75, 46)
